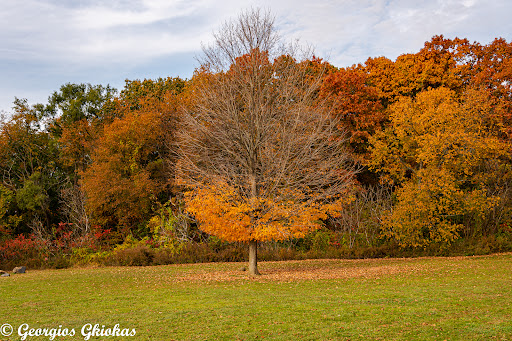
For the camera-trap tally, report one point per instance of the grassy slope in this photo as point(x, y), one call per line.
point(391, 299)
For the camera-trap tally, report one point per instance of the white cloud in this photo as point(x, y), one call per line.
point(108, 15)
point(46, 41)
point(102, 32)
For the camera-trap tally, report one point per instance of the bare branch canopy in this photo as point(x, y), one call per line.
point(257, 127)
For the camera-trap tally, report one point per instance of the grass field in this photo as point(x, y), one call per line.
point(463, 298)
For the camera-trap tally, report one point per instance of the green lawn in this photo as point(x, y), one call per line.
point(466, 298)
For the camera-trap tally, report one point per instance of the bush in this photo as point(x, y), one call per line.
point(35, 253)
point(139, 255)
point(321, 240)
point(23, 251)
point(58, 248)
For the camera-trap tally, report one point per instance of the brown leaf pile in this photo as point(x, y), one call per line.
point(290, 271)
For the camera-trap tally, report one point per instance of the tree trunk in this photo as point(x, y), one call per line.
point(253, 244)
point(253, 258)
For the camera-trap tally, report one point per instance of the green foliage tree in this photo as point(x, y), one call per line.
point(9, 221)
point(30, 168)
point(76, 102)
point(76, 114)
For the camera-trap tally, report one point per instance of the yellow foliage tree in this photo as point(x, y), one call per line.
point(430, 207)
point(436, 148)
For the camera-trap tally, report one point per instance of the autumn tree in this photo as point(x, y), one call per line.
point(489, 69)
point(263, 160)
point(355, 104)
point(72, 119)
point(438, 63)
point(436, 150)
point(131, 164)
point(137, 93)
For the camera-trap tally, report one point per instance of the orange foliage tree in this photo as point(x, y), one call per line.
point(355, 103)
point(131, 166)
point(263, 160)
point(490, 70)
point(439, 63)
point(455, 63)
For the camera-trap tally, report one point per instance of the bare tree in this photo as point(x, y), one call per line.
point(363, 216)
point(73, 206)
point(257, 126)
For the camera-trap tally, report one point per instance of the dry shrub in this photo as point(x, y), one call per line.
point(139, 255)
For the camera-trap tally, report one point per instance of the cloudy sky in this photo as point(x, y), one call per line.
point(47, 43)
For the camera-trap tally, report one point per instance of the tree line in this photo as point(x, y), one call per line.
point(262, 145)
